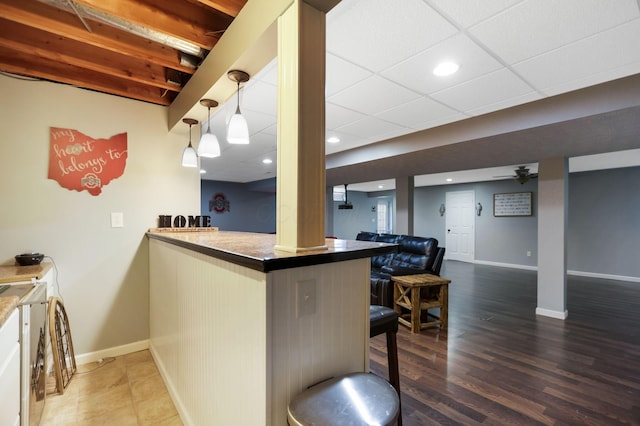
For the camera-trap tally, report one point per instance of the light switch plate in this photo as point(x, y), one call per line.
point(117, 220)
point(306, 298)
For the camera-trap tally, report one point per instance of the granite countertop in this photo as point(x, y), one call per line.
point(15, 273)
point(7, 305)
point(11, 274)
point(10, 299)
point(256, 250)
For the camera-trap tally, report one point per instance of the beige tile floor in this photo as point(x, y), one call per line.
point(125, 390)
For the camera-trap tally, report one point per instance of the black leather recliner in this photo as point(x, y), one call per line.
point(416, 255)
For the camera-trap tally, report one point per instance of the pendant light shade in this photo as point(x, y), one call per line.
point(209, 147)
point(238, 130)
point(189, 155)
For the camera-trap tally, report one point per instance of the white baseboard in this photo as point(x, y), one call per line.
point(173, 393)
point(112, 352)
point(552, 314)
point(604, 276)
point(506, 265)
point(569, 272)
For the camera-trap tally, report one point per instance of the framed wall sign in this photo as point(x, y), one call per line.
point(512, 204)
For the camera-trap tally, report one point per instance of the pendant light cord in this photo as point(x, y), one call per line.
point(238, 107)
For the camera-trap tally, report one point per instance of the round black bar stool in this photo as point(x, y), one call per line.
point(385, 320)
point(352, 399)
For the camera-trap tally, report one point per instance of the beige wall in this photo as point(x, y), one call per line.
point(103, 271)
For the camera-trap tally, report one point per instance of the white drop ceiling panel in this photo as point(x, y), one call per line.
point(533, 27)
point(376, 34)
point(507, 102)
point(469, 12)
point(373, 95)
point(337, 116)
point(417, 72)
point(421, 113)
point(347, 141)
point(577, 65)
point(262, 97)
point(484, 91)
point(342, 74)
point(257, 121)
point(370, 127)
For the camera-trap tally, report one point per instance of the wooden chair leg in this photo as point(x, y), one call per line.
point(394, 372)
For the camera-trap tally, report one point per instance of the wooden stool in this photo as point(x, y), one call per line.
point(385, 320)
point(353, 399)
point(414, 295)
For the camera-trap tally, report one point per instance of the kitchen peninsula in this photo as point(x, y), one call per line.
point(239, 328)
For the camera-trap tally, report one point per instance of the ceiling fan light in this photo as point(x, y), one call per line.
point(238, 130)
point(209, 147)
point(189, 157)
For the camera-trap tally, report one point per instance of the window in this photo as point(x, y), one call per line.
point(384, 221)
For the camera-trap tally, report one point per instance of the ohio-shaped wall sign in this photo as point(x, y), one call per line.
point(81, 163)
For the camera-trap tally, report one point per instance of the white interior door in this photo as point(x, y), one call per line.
point(460, 222)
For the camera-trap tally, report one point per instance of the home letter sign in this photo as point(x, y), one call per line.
point(78, 162)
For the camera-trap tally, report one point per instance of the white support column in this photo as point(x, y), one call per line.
point(553, 179)
point(301, 128)
point(404, 205)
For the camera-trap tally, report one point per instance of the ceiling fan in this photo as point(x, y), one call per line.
point(522, 175)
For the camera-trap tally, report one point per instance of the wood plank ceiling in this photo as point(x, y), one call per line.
point(139, 49)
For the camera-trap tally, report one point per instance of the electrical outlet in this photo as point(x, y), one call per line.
point(117, 220)
point(306, 298)
point(528, 254)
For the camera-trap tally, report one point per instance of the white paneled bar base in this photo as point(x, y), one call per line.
point(235, 344)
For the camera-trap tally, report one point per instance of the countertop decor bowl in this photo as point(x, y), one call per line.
point(26, 259)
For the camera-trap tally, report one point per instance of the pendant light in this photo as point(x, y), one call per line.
point(238, 130)
point(189, 155)
point(209, 146)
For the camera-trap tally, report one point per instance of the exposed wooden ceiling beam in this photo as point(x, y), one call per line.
point(248, 44)
point(55, 21)
point(25, 64)
point(56, 48)
point(189, 22)
point(230, 7)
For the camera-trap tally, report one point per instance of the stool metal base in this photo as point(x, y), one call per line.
point(353, 399)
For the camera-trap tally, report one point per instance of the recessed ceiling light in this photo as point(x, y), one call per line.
point(267, 161)
point(202, 171)
point(380, 186)
point(333, 139)
point(449, 180)
point(445, 68)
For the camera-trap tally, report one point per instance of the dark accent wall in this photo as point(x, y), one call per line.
point(252, 206)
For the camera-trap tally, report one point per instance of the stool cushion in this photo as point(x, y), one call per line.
point(382, 320)
point(353, 399)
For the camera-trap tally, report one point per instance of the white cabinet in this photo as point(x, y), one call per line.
point(10, 371)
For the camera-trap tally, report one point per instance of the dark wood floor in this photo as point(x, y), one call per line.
point(500, 364)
